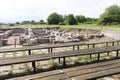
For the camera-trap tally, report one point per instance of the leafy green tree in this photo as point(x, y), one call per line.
point(17, 22)
point(33, 22)
point(54, 18)
point(25, 22)
point(41, 21)
point(80, 18)
point(90, 20)
point(110, 16)
point(71, 20)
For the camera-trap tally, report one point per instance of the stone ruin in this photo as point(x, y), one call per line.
point(34, 36)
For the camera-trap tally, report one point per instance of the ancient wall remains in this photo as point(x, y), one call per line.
point(112, 34)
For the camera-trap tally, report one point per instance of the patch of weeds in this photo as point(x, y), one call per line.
point(103, 45)
point(43, 53)
point(24, 53)
point(79, 58)
point(68, 60)
point(55, 66)
point(87, 57)
point(27, 69)
point(39, 65)
point(83, 47)
point(4, 55)
point(94, 56)
point(10, 73)
point(91, 46)
point(14, 54)
point(51, 62)
point(33, 52)
point(109, 44)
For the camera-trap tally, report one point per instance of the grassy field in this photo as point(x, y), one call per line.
point(83, 26)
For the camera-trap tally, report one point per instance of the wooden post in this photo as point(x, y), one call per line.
point(117, 52)
point(29, 51)
point(78, 47)
point(64, 65)
point(34, 67)
point(98, 57)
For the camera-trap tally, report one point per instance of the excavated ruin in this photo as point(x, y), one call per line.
point(34, 36)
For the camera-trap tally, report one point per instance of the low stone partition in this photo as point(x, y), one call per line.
point(112, 34)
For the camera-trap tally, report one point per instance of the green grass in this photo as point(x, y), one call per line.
point(83, 26)
point(14, 54)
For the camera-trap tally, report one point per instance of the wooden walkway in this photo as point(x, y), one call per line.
point(86, 72)
point(58, 55)
point(64, 55)
point(51, 46)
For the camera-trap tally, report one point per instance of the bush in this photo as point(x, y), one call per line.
point(11, 24)
point(62, 23)
point(71, 20)
point(114, 23)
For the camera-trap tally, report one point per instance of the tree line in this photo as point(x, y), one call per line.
point(69, 19)
point(111, 16)
point(58, 19)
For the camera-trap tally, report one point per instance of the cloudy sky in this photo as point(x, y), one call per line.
point(19, 10)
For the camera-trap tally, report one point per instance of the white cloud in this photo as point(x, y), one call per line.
point(18, 10)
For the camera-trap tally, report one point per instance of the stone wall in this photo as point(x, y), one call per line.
point(112, 34)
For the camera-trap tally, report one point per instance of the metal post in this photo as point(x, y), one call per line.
point(64, 65)
point(73, 48)
point(78, 47)
point(34, 67)
point(117, 52)
point(117, 42)
point(106, 44)
point(108, 53)
point(48, 50)
point(88, 46)
point(51, 50)
point(90, 56)
point(15, 42)
point(98, 57)
point(93, 45)
point(59, 60)
point(112, 43)
point(29, 51)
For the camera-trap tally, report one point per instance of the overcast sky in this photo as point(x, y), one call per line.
point(19, 10)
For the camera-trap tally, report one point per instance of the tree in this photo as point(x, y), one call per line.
point(25, 22)
point(90, 20)
point(54, 18)
point(41, 21)
point(17, 22)
point(80, 18)
point(33, 22)
point(71, 20)
point(110, 16)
